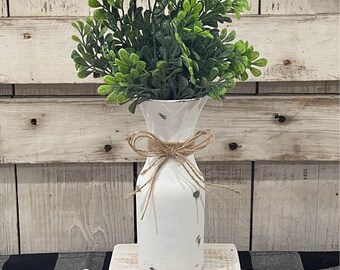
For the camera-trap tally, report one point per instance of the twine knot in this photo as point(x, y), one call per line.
point(163, 151)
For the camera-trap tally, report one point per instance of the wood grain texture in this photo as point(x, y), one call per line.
point(6, 90)
point(333, 87)
point(41, 8)
point(45, 47)
point(316, 87)
point(76, 130)
point(299, 6)
point(74, 207)
point(228, 222)
point(8, 211)
point(3, 8)
point(296, 206)
point(56, 89)
point(91, 89)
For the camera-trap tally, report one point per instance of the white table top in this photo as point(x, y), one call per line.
point(217, 257)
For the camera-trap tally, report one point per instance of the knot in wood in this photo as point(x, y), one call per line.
point(27, 36)
point(233, 146)
point(280, 118)
point(108, 148)
point(34, 122)
point(287, 62)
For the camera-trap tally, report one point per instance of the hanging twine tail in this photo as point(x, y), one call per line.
point(163, 151)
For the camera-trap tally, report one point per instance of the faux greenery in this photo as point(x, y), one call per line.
point(171, 50)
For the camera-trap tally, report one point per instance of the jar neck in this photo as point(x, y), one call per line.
point(172, 121)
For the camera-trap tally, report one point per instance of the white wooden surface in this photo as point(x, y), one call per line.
point(8, 211)
point(75, 207)
point(296, 206)
point(217, 257)
point(228, 222)
point(49, 8)
point(45, 47)
point(67, 130)
point(299, 6)
point(3, 8)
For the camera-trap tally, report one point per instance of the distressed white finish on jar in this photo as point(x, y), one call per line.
point(171, 235)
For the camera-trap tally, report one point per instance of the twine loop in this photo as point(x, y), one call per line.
point(163, 151)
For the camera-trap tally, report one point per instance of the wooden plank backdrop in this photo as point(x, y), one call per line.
point(49, 8)
point(311, 38)
point(3, 8)
point(6, 90)
point(299, 7)
point(296, 206)
point(66, 130)
point(71, 199)
point(75, 206)
point(228, 222)
point(8, 211)
point(316, 87)
point(91, 89)
point(72, 8)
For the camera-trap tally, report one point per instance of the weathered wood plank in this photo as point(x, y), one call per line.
point(6, 90)
point(333, 87)
point(56, 89)
point(296, 206)
point(91, 89)
point(3, 8)
point(316, 87)
point(72, 207)
point(71, 7)
point(48, 8)
point(8, 211)
point(299, 6)
point(229, 222)
point(76, 130)
point(44, 46)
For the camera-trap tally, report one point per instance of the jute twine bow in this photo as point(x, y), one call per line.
point(163, 151)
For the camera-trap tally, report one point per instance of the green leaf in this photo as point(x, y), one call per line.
point(124, 56)
point(109, 79)
point(256, 72)
point(133, 106)
point(134, 58)
point(186, 5)
point(254, 55)
point(244, 76)
point(80, 61)
point(105, 90)
point(76, 39)
point(141, 65)
point(260, 62)
point(134, 73)
point(75, 54)
point(93, 3)
point(231, 36)
point(112, 98)
point(99, 14)
point(76, 26)
point(83, 74)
